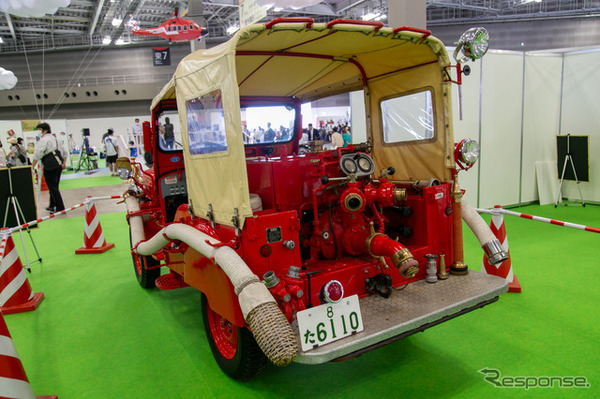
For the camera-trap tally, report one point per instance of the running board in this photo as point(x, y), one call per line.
point(417, 307)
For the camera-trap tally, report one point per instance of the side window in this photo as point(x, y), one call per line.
point(408, 118)
point(169, 132)
point(206, 124)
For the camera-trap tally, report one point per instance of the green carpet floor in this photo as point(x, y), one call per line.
point(97, 334)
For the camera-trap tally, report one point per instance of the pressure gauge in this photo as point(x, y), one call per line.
point(349, 166)
point(364, 164)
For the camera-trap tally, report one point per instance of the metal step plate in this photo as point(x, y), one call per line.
point(419, 306)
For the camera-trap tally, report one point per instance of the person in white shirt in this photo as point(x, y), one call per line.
point(49, 144)
point(137, 131)
point(112, 152)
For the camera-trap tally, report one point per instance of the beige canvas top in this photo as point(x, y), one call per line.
point(290, 60)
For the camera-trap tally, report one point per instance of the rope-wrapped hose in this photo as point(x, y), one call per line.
point(269, 326)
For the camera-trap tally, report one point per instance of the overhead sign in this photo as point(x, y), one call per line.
point(162, 56)
point(251, 12)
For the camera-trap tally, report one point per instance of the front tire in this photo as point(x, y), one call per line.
point(145, 278)
point(234, 348)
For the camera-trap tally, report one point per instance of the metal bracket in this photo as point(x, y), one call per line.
point(236, 221)
point(210, 215)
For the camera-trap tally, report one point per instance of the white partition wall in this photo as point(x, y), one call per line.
point(502, 82)
point(581, 115)
point(541, 112)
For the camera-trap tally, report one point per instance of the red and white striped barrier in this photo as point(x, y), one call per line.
point(540, 219)
point(16, 295)
point(53, 215)
point(504, 269)
point(93, 237)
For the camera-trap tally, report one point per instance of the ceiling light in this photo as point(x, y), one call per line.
point(277, 9)
point(116, 21)
point(120, 42)
point(1, 41)
point(106, 40)
point(232, 29)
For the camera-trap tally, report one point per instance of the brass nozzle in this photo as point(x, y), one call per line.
point(406, 263)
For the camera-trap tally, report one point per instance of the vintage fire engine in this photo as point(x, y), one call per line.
point(305, 252)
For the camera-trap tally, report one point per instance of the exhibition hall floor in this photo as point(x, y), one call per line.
point(98, 334)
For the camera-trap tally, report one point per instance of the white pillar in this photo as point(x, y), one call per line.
point(195, 14)
point(411, 13)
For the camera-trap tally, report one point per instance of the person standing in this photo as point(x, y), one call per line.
point(48, 144)
point(136, 131)
point(313, 134)
point(336, 139)
point(3, 160)
point(169, 134)
point(112, 152)
point(16, 155)
point(346, 136)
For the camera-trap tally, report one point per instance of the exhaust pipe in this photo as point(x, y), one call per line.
point(268, 324)
point(488, 241)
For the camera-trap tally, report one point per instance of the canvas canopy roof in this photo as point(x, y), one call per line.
point(309, 61)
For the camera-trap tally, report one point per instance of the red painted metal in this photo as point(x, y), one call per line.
point(376, 24)
point(307, 21)
point(425, 32)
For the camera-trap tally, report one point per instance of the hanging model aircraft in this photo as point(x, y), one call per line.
point(174, 30)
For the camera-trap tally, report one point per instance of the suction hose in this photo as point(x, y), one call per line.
point(266, 321)
point(490, 244)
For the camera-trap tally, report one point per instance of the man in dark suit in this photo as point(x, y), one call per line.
point(313, 134)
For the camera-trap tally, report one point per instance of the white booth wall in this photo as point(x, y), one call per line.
point(515, 104)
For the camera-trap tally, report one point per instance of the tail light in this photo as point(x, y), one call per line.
point(332, 292)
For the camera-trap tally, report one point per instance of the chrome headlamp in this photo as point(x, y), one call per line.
point(466, 153)
point(473, 43)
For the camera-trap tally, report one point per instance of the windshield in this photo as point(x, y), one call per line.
point(273, 124)
point(169, 132)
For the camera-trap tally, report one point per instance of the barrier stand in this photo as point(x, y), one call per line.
point(13, 379)
point(16, 295)
point(93, 237)
point(504, 269)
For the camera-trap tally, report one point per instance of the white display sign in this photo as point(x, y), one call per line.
point(251, 12)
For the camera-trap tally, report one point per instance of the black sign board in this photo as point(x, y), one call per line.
point(22, 190)
point(577, 148)
point(162, 56)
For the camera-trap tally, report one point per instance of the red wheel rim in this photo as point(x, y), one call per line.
point(224, 333)
point(138, 265)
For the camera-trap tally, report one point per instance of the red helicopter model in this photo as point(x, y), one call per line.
point(174, 30)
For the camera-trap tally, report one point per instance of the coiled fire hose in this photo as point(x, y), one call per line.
point(268, 324)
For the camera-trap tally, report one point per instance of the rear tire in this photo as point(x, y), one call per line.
point(146, 278)
point(234, 348)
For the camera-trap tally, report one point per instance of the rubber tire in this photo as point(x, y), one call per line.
point(145, 278)
point(248, 359)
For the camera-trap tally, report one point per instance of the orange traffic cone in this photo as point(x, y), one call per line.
point(93, 238)
point(16, 295)
point(504, 269)
point(44, 186)
point(15, 383)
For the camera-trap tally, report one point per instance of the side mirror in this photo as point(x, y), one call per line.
point(473, 44)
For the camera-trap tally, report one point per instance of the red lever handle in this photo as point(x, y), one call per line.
point(377, 24)
point(425, 32)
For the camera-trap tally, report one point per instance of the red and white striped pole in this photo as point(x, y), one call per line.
point(540, 219)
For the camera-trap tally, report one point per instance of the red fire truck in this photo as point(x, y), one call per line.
point(305, 250)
